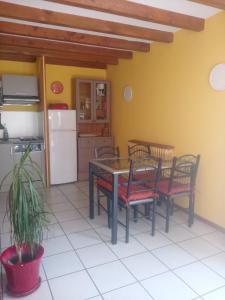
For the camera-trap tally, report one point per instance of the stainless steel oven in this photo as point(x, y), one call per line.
point(36, 154)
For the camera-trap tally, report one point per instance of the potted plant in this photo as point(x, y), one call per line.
point(28, 218)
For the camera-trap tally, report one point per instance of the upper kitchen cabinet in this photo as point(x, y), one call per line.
point(92, 100)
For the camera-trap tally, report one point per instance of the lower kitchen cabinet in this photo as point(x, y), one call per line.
point(86, 152)
point(6, 164)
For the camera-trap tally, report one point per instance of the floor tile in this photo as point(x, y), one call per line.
point(200, 278)
point(168, 287)
point(216, 263)
point(144, 265)
point(52, 231)
point(173, 256)
point(199, 248)
point(5, 226)
point(111, 276)
point(96, 255)
point(42, 292)
point(77, 286)
point(200, 227)
point(122, 249)
point(152, 242)
point(216, 295)
point(105, 233)
point(178, 234)
point(69, 188)
point(61, 264)
point(59, 198)
point(98, 221)
point(75, 225)
point(140, 226)
point(60, 206)
point(56, 245)
point(130, 292)
point(42, 273)
point(217, 238)
point(67, 215)
point(51, 219)
point(5, 240)
point(179, 217)
point(84, 239)
point(80, 202)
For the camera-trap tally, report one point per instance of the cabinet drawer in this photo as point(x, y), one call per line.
point(103, 141)
point(85, 143)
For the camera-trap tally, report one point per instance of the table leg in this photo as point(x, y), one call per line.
point(91, 192)
point(114, 209)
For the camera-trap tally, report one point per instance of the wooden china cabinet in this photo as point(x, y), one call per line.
point(93, 120)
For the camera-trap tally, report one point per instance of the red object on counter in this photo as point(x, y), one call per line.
point(58, 106)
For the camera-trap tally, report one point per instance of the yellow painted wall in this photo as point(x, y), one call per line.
point(67, 76)
point(174, 104)
point(18, 68)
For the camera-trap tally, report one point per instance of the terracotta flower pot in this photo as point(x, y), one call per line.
point(22, 279)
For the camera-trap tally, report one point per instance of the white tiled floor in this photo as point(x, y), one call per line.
point(81, 263)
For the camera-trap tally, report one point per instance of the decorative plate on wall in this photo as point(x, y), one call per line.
point(57, 87)
point(217, 77)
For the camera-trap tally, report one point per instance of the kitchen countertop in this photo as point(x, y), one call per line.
point(18, 141)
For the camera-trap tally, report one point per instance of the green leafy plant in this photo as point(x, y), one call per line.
point(26, 210)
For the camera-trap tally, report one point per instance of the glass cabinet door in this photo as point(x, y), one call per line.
point(84, 92)
point(101, 105)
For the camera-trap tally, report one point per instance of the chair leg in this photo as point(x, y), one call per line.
point(135, 213)
point(109, 212)
point(167, 214)
point(98, 201)
point(127, 223)
point(172, 207)
point(191, 209)
point(153, 216)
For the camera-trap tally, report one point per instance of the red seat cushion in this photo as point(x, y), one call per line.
point(177, 188)
point(136, 194)
point(104, 184)
point(107, 182)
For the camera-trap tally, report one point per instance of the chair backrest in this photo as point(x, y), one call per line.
point(107, 152)
point(138, 151)
point(184, 170)
point(144, 174)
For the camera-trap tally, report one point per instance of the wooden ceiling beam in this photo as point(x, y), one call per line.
point(75, 63)
point(141, 12)
point(57, 54)
point(68, 36)
point(214, 3)
point(17, 57)
point(61, 46)
point(21, 12)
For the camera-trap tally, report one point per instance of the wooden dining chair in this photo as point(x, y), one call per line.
point(179, 181)
point(137, 189)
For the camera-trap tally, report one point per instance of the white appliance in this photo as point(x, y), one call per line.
point(62, 146)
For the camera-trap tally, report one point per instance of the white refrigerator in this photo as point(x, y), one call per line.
point(62, 146)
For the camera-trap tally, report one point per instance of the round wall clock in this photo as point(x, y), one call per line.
point(57, 87)
point(217, 77)
point(128, 93)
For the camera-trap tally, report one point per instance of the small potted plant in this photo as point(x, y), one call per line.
point(28, 218)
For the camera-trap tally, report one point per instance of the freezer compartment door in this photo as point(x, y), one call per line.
point(62, 119)
point(63, 157)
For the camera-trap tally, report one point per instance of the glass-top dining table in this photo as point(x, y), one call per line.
point(114, 167)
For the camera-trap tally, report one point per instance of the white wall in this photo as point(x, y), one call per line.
point(23, 123)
